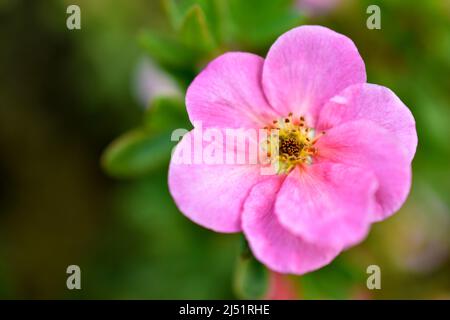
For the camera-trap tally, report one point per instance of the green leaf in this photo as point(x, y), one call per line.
point(223, 25)
point(251, 278)
point(143, 150)
point(177, 11)
point(336, 281)
point(173, 12)
point(137, 153)
point(195, 32)
point(167, 51)
point(166, 113)
point(258, 23)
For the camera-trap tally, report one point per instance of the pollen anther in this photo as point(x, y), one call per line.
point(290, 143)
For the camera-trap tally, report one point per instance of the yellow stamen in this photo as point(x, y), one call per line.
point(290, 143)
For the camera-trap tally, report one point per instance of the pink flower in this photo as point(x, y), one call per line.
point(344, 150)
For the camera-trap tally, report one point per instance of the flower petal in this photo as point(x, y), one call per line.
point(327, 203)
point(375, 103)
point(307, 66)
point(271, 243)
point(211, 195)
point(228, 93)
point(364, 144)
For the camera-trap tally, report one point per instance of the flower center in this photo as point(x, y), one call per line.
point(290, 142)
point(290, 146)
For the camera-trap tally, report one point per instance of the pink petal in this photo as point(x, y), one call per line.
point(375, 103)
point(271, 243)
point(327, 203)
point(228, 93)
point(307, 66)
point(366, 145)
point(211, 195)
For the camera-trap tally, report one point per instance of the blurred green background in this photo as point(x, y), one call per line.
point(66, 94)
